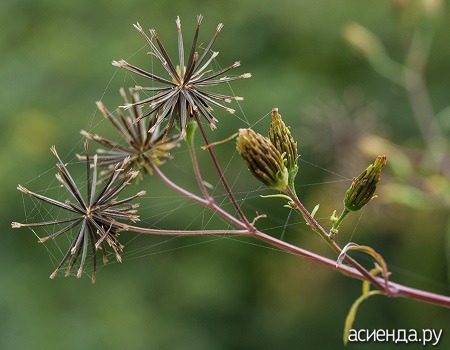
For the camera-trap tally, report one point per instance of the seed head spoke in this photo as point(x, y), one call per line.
point(180, 48)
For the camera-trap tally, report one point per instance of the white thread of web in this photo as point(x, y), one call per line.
point(133, 252)
point(55, 260)
point(136, 253)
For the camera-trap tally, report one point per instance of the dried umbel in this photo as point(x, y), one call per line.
point(281, 138)
point(363, 187)
point(183, 94)
point(95, 216)
point(264, 161)
point(140, 145)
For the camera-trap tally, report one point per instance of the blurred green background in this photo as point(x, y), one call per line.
point(203, 293)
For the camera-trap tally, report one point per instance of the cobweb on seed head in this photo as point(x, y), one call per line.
point(155, 209)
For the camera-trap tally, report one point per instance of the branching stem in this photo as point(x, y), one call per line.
point(211, 205)
point(395, 289)
point(149, 231)
point(230, 194)
point(326, 237)
point(198, 175)
point(339, 220)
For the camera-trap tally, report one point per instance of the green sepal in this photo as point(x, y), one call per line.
point(190, 132)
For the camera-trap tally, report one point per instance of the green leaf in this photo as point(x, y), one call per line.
point(279, 195)
point(352, 313)
point(314, 211)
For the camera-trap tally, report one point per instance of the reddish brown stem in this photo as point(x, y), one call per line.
point(230, 194)
point(209, 204)
point(149, 231)
point(395, 289)
point(198, 175)
point(321, 231)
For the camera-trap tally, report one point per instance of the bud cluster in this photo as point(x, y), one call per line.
point(273, 159)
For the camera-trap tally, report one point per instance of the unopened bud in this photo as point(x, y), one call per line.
point(281, 138)
point(264, 161)
point(363, 187)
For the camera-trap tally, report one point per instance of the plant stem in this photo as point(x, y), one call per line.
point(177, 188)
point(395, 289)
point(149, 231)
point(420, 295)
point(321, 231)
point(198, 175)
point(211, 205)
point(341, 217)
point(291, 184)
point(222, 177)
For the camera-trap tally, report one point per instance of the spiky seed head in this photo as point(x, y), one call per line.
point(263, 160)
point(363, 187)
point(96, 217)
point(185, 93)
point(143, 142)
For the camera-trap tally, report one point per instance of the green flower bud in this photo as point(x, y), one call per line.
point(264, 161)
point(280, 136)
point(363, 187)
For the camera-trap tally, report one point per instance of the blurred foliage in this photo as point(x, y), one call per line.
point(225, 294)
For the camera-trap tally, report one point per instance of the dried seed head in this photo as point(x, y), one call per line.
point(281, 138)
point(185, 91)
point(363, 187)
point(143, 142)
point(265, 162)
point(96, 218)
